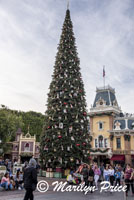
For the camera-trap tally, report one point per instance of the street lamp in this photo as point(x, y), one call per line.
point(1, 150)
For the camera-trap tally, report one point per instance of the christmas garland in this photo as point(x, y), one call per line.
point(25, 154)
point(127, 137)
point(99, 150)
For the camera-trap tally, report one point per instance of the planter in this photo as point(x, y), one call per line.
point(57, 175)
point(58, 169)
point(49, 169)
point(49, 174)
point(43, 173)
point(40, 173)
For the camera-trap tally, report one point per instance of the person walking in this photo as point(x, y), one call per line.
point(111, 174)
point(97, 174)
point(118, 177)
point(30, 179)
point(132, 181)
point(106, 174)
point(84, 172)
point(91, 177)
point(102, 171)
point(129, 179)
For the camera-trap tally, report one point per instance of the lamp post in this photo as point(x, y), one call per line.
point(1, 150)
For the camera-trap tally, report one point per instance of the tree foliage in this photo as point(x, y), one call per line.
point(11, 120)
point(65, 138)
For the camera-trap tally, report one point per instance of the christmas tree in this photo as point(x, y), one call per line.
point(65, 139)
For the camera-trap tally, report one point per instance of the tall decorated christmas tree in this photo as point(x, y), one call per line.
point(65, 141)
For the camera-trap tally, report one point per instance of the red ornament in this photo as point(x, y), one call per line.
point(59, 136)
point(48, 127)
point(77, 144)
point(84, 143)
point(80, 90)
point(84, 113)
point(65, 103)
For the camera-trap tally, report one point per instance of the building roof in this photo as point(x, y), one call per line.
point(107, 94)
point(19, 131)
point(105, 101)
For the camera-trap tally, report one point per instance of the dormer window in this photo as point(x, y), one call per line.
point(117, 125)
point(133, 125)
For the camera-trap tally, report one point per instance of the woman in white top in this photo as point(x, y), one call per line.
point(111, 174)
point(106, 174)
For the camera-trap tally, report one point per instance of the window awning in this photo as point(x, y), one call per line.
point(118, 158)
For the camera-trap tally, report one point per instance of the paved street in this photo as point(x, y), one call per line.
point(51, 195)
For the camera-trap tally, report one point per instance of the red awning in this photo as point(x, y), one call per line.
point(118, 158)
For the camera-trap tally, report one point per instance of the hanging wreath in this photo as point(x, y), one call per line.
point(111, 137)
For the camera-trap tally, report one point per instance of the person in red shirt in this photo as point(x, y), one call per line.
point(128, 179)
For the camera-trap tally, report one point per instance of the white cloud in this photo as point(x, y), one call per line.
point(30, 31)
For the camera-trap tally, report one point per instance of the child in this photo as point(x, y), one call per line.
point(117, 177)
point(70, 179)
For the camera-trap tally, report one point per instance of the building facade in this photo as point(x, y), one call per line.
point(24, 147)
point(112, 131)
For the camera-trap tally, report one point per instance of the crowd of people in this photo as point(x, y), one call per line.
point(12, 181)
point(27, 178)
point(91, 175)
point(94, 174)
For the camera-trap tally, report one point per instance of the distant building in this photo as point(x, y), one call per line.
point(112, 131)
point(24, 147)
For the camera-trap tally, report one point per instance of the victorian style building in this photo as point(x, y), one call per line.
point(112, 131)
point(24, 147)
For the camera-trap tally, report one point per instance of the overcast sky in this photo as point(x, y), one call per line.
point(29, 34)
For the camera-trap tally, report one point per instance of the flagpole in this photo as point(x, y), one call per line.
point(104, 76)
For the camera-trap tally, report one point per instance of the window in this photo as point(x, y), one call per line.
point(105, 143)
point(96, 143)
point(118, 142)
point(100, 143)
point(100, 138)
point(27, 147)
point(100, 125)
